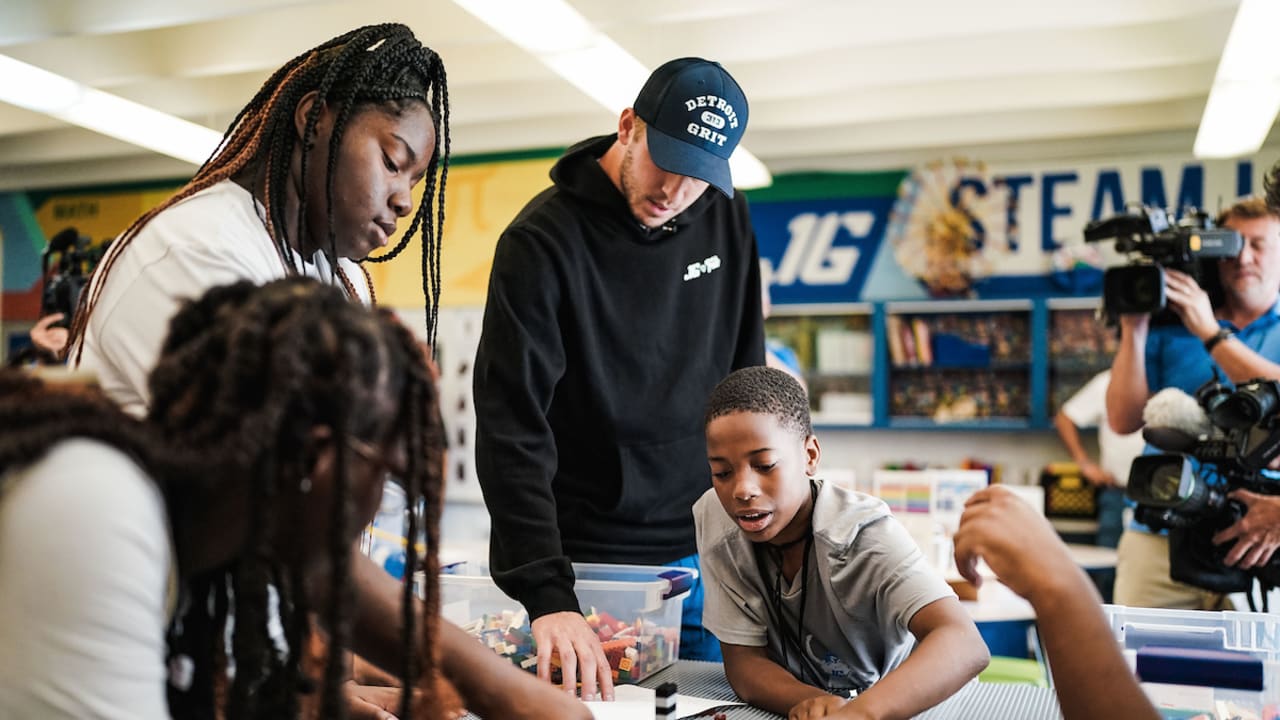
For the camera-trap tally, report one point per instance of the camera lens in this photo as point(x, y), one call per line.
point(1247, 406)
point(1133, 289)
point(1145, 291)
point(1212, 394)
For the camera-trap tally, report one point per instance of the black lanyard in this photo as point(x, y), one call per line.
point(791, 639)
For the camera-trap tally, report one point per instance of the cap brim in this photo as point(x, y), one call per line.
point(679, 157)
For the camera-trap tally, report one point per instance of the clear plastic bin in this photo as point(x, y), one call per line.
point(635, 609)
point(1257, 634)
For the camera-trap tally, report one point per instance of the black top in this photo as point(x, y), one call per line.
point(602, 340)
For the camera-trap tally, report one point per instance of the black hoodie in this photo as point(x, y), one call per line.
point(602, 340)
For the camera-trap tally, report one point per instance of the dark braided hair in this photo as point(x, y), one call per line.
point(1271, 187)
point(763, 390)
point(245, 376)
point(382, 66)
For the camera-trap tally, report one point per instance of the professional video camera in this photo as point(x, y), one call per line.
point(1230, 434)
point(1138, 287)
point(75, 259)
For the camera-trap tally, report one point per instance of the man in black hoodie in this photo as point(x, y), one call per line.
point(619, 298)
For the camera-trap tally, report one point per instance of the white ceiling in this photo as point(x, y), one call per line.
point(832, 85)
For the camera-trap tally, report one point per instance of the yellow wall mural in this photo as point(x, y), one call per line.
point(481, 200)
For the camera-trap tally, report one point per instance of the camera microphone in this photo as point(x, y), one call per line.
point(1174, 421)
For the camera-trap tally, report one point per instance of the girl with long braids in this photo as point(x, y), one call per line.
point(311, 176)
point(276, 412)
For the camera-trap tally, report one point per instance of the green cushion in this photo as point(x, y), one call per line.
point(1014, 670)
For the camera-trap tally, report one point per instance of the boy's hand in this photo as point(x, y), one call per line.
point(816, 707)
point(568, 635)
point(1016, 541)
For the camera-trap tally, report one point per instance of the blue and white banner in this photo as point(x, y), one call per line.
point(958, 228)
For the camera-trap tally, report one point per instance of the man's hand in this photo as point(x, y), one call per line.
point(1017, 542)
point(816, 707)
point(52, 340)
point(1096, 476)
point(1257, 534)
point(1138, 323)
point(568, 635)
point(1191, 303)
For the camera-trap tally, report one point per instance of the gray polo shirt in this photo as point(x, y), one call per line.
point(866, 580)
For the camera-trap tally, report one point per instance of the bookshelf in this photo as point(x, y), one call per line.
point(835, 346)
point(946, 364)
point(966, 362)
point(1080, 346)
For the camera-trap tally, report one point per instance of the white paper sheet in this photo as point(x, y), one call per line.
point(632, 702)
point(621, 710)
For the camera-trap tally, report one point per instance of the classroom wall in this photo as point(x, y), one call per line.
point(824, 238)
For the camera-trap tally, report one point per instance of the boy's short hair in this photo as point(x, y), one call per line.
point(764, 390)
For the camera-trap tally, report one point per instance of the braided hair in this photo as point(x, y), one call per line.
point(245, 376)
point(382, 66)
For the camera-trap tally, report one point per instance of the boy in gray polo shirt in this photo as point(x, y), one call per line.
point(816, 593)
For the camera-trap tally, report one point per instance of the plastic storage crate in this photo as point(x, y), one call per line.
point(1255, 634)
point(635, 609)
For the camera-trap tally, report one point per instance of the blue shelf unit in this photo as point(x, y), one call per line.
point(1064, 346)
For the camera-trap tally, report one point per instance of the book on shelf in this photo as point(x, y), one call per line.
point(893, 329)
point(924, 346)
point(908, 343)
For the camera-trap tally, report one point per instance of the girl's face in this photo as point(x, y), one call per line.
point(760, 471)
point(310, 538)
point(382, 157)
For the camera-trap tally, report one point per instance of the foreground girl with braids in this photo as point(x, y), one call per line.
point(312, 175)
point(276, 412)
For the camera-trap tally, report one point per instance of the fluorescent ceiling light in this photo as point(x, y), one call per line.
point(35, 89)
point(559, 36)
point(1245, 98)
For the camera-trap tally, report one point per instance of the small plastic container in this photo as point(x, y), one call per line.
point(635, 610)
point(1254, 634)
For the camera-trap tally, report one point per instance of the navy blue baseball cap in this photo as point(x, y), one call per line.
point(696, 114)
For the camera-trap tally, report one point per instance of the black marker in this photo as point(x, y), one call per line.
point(664, 701)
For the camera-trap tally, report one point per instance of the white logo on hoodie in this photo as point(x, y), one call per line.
point(698, 269)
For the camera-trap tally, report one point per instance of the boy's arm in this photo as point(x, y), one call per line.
point(949, 653)
point(763, 683)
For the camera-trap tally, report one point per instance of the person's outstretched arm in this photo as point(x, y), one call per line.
point(489, 685)
point(1089, 671)
point(519, 361)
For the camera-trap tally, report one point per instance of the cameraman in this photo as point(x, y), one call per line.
point(1240, 337)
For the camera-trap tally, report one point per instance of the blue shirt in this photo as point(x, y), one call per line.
point(1176, 358)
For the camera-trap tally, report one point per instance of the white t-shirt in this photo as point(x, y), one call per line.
point(85, 584)
point(1088, 408)
point(867, 579)
point(212, 238)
